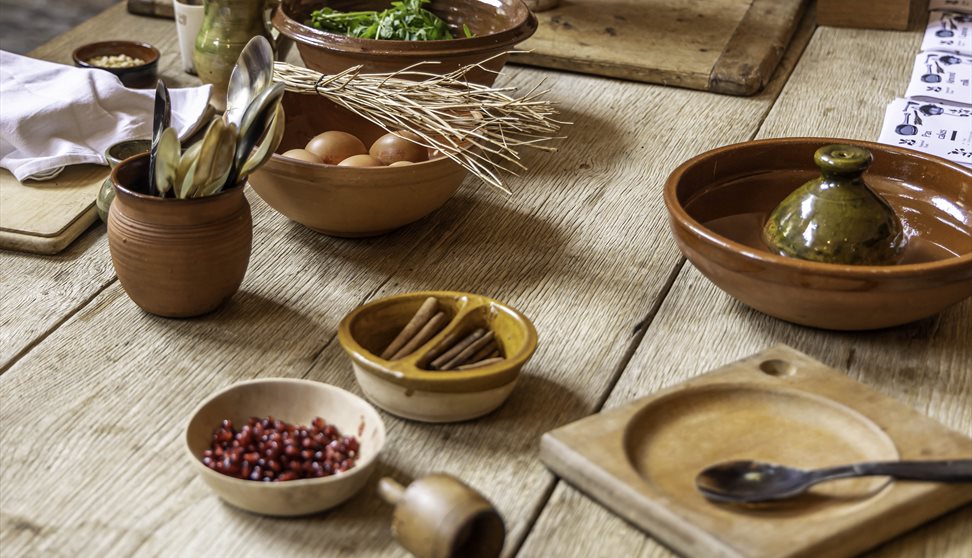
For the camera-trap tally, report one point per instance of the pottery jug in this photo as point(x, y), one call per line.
point(226, 28)
point(177, 258)
point(836, 217)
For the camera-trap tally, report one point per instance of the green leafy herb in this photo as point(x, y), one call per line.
point(406, 20)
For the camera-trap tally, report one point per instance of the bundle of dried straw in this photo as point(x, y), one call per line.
point(479, 127)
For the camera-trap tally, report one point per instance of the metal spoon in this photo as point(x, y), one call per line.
point(256, 119)
point(160, 121)
point(252, 74)
point(755, 481)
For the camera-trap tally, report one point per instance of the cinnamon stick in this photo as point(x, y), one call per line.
point(447, 343)
point(458, 348)
point(418, 321)
point(427, 332)
point(481, 363)
point(485, 352)
point(463, 356)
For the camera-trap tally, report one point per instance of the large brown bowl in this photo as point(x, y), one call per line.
point(497, 26)
point(718, 201)
point(348, 201)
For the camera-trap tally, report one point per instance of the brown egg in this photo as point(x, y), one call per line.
point(393, 147)
point(333, 147)
point(361, 161)
point(303, 155)
point(401, 164)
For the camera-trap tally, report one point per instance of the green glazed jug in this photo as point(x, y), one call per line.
point(836, 218)
point(226, 28)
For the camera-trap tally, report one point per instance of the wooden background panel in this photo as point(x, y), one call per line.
point(581, 248)
point(699, 327)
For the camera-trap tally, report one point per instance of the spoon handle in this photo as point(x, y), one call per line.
point(952, 470)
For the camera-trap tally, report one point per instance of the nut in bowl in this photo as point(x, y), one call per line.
point(437, 356)
point(135, 64)
point(347, 200)
point(301, 402)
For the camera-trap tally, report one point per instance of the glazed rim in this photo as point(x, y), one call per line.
point(106, 46)
point(517, 31)
point(358, 466)
point(277, 159)
point(438, 378)
point(794, 264)
point(156, 199)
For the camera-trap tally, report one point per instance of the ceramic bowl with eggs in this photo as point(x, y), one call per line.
point(340, 175)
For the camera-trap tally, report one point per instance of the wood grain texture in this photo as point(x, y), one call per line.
point(777, 406)
point(833, 91)
point(873, 14)
point(726, 46)
point(40, 292)
point(41, 217)
point(581, 249)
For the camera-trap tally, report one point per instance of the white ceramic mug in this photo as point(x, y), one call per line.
point(188, 18)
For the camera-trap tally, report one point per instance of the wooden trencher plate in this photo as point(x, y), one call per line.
point(781, 406)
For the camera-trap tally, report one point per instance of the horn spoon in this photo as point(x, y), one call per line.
point(162, 116)
point(755, 481)
point(252, 74)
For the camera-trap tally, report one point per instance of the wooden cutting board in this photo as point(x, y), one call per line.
point(44, 217)
point(640, 460)
point(724, 46)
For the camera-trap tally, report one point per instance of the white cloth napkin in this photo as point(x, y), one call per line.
point(53, 115)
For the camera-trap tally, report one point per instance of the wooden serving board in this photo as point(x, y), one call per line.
point(44, 217)
point(724, 46)
point(640, 460)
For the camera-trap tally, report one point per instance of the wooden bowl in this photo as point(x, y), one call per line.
point(348, 201)
point(498, 26)
point(405, 387)
point(294, 401)
point(140, 77)
point(718, 201)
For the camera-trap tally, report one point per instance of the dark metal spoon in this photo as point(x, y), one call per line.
point(755, 481)
point(160, 121)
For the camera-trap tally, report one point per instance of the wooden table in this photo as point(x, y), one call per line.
point(95, 392)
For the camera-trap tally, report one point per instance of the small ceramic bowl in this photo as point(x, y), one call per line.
point(348, 201)
point(294, 401)
point(116, 154)
point(139, 77)
point(718, 201)
point(405, 387)
point(497, 25)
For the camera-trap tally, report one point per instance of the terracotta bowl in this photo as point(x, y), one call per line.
point(498, 26)
point(294, 401)
point(176, 258)
point(718, 202)
point(142, 76)
point(348, 201)
point(405, 387)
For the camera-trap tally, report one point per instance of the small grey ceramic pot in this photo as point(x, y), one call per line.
point(116, 154)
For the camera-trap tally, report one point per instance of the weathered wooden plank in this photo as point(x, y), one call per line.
point(39, 292)
point(582, 248)
point(835, 90)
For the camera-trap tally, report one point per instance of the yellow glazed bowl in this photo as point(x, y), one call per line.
point(404, 388)
point(294, 401)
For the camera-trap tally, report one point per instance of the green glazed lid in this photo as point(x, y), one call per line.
point(836, 217)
